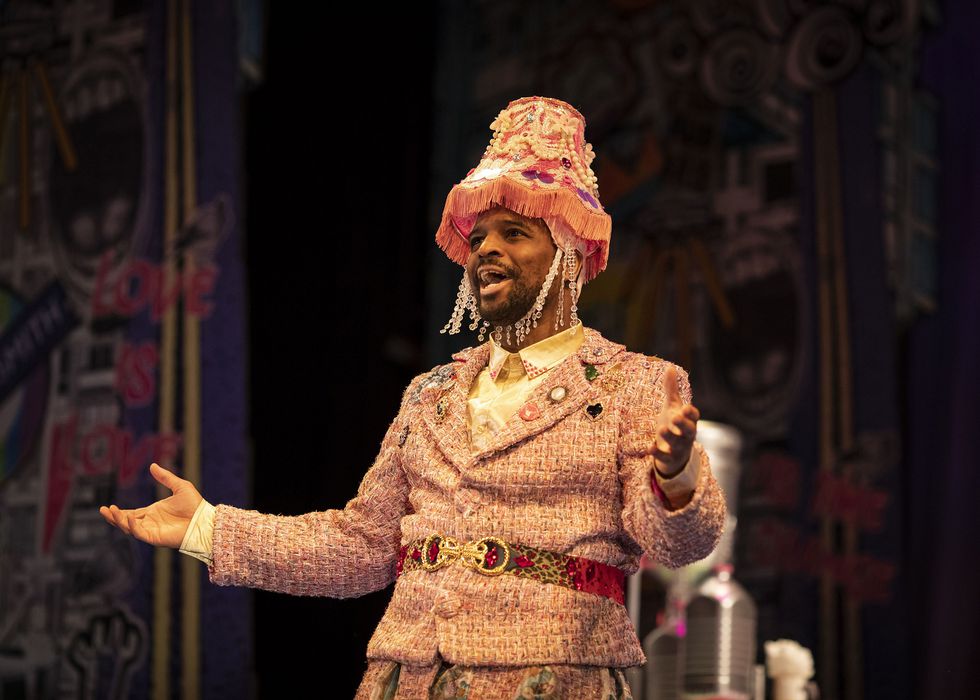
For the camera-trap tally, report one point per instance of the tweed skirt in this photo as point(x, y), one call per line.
point(390, 680)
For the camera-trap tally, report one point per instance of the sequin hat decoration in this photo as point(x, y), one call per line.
point(538, 165)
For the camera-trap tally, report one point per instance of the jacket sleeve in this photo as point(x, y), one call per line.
point(671, 537)
point(341, 553)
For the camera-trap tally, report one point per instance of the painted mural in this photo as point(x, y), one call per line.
point(104, 267)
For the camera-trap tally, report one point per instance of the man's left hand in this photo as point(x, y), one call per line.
point(677, 425)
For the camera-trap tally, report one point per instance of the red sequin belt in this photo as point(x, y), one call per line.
point(491, 556)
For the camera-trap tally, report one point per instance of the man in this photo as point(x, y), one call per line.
point(519, 484)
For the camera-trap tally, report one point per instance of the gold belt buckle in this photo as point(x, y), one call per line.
point(472, 554)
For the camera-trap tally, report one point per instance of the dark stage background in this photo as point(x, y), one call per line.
point(336, 162)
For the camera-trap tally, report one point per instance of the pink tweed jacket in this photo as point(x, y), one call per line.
point(562, 481)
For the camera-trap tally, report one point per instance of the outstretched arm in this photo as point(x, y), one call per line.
point(341, 553)
point(658, 438)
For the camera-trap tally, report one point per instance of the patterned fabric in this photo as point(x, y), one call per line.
point(564, 482)
point(578, 573)
point(390, 680)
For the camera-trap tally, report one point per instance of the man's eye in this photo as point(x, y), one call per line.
point(475, 243)
point(514, 232)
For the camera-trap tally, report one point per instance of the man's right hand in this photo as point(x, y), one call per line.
point(164, 522)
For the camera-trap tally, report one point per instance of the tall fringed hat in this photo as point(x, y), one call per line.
point(538, 165)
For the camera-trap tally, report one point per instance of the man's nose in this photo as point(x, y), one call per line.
point(490, 245)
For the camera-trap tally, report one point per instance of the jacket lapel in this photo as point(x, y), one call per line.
point(445, 410)
point(569, 375)
point(448, 421)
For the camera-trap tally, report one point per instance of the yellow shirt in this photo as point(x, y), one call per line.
point(500, 390)
point(510, 377)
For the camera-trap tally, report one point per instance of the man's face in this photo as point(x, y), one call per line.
point(510, 256)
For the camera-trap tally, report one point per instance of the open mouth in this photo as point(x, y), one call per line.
point(491, 280)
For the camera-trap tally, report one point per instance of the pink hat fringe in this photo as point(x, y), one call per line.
point(539, 204)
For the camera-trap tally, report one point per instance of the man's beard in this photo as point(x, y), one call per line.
point(519, 301)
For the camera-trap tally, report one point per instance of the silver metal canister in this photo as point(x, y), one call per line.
point(720, 642)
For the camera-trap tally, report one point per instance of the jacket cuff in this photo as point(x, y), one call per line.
point(675, 491)
point(198, 541)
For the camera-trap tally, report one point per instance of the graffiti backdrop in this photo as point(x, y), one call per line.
point(121, 327)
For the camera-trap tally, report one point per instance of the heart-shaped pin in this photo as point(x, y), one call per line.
point(594, 410)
